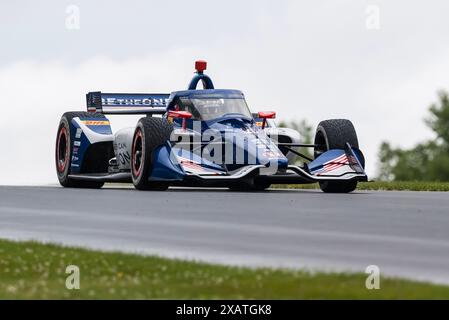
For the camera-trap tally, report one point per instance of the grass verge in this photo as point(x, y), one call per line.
point(30, 270)
point(381, 185)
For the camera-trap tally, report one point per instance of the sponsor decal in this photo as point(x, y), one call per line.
point(77, 143)
point(122, 152)
point(121, 145)
point(78, 133)
point(112, 101)
point(124, 157)
point(96, 122)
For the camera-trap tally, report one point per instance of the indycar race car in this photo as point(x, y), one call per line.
point(199, 137)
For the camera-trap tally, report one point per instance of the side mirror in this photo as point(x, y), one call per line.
point(266, 115)
point(184, 115)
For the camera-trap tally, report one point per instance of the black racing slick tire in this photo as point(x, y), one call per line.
point(334, 134)
point(64, 149)
point(150, 133)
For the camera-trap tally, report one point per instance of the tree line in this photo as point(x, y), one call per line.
point(426, 161)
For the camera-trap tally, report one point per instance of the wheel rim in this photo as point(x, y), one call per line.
point(62, 150)
point(137, 153)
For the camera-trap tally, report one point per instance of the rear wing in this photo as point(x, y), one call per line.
point(127, 103)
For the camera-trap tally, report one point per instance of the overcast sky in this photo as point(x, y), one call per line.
point(378, 63)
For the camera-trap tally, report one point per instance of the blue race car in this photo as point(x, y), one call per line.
point(196, 138)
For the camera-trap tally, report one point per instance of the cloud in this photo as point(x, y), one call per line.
point(314, 62)
point(35, 95)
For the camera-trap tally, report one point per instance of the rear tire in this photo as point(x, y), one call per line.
point(150, 134)
point(64, 149)
point(334, 134)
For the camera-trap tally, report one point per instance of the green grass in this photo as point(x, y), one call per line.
point(31, 270)
point(381, 185)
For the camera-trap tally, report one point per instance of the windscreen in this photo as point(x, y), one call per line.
point(212, 108)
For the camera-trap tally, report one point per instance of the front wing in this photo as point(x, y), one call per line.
point(333, 165)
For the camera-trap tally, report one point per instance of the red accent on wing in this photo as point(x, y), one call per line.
point(267, 114)
point(180, 114)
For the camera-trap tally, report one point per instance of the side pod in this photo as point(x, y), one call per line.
point(92, 145)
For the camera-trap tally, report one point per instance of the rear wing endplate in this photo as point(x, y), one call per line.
point(127, 103)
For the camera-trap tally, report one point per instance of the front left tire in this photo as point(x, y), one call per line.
point(334, 134)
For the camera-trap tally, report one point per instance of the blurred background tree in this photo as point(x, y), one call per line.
point(427, 161)
point(306, 132)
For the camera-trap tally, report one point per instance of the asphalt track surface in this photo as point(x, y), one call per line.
point(404, 233)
